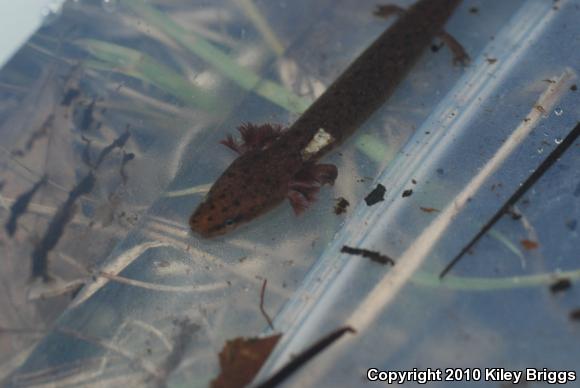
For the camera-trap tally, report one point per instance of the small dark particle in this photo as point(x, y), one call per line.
point(375, 196)
point(70, 95)
point(575, 315)
point(491, 61)
point(529, 244)
point(573, 88)
point(407, 193)
point(560, 285)
point(571, 224)
point(440, 171)
point(550, 81)
point(413, 181)
point(341, 205)
point(372, 255)
point(429, 209)
point(474, 10)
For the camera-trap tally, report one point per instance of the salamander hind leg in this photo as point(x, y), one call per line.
point(306, 184)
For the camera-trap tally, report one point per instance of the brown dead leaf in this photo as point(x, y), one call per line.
point(241, 359)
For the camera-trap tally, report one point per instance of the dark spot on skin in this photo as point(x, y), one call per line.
point(212, 207)
point(222, 196)
point(236, 203)
point(210, 219)
point(225, 209)
point(341, 205)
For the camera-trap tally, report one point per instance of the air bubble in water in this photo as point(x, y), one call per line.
point(540, 150)
point(558, 140)
point(558, 111)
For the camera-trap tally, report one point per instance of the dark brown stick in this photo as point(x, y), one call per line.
point(532, 179)
point(307, 355)
point(264, 313)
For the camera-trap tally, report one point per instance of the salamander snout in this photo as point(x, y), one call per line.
point(207, 221)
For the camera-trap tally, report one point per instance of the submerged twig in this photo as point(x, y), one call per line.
point(264, 313)
point(302, 358)
point(524, 187)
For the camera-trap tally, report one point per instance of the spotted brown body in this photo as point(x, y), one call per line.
point(275, 164)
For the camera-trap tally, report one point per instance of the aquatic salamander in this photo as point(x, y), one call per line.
point(275, 164)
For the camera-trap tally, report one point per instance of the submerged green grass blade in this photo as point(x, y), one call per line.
point(261, 24)
point(133, 63)
point(492, 284)
point(245, 78)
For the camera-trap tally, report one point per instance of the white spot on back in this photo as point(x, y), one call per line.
point(320, 140)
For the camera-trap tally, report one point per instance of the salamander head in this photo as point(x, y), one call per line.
point(221, 211)
point(237, 197)
point(213, 218)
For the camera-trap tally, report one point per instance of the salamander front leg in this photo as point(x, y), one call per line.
point(254, 137)
point(306, 184)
